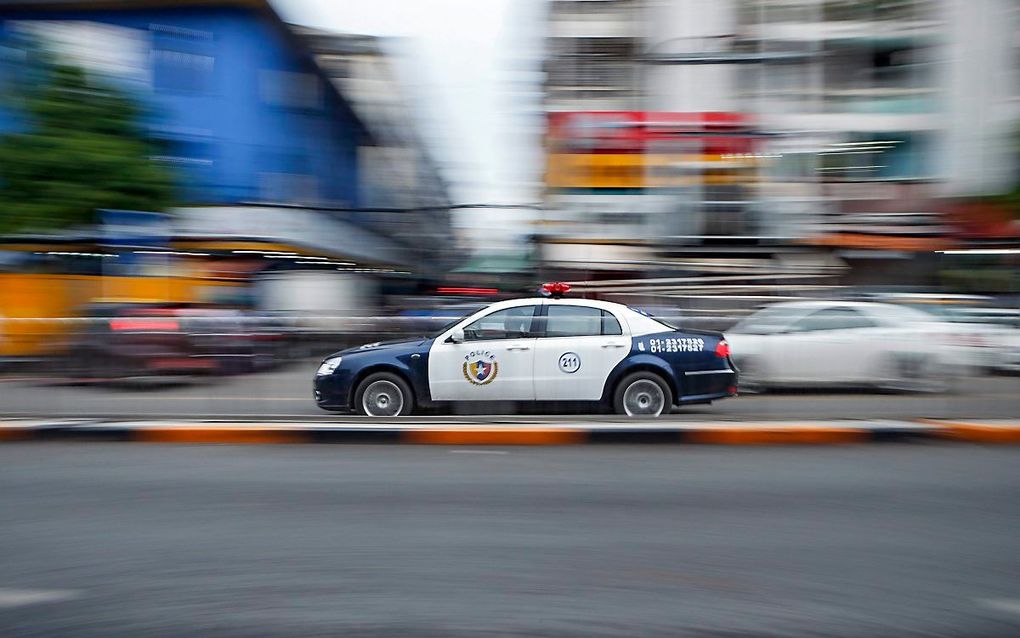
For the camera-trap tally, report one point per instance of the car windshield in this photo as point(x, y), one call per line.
point(460, 313)
point(1010, 319)
point(904, 314)
point(768, 320)
point(950, 312)
point(993, 316)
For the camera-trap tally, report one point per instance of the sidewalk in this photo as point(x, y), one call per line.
point(514, 431)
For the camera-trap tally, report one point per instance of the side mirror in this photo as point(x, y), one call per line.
point(457, 336)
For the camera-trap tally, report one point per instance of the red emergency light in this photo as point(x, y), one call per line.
point(555, 289)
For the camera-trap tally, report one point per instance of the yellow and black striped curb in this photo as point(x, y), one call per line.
point(519, 432)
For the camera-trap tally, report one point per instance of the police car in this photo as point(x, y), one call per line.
point(546, 349)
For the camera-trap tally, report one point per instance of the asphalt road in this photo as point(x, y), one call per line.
point(286, 393)
point(107, 540)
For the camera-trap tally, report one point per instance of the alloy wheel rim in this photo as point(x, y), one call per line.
point(382, 398)
point(643, 398)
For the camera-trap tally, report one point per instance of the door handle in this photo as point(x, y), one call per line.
point(613, 345)
point(518, 347)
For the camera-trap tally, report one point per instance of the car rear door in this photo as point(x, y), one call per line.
point(578, 346)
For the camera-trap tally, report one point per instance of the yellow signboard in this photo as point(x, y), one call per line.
point(636, 170)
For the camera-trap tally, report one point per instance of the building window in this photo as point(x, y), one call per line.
point(113, 53)
point(182, 59)
point(290, 89)
point(288, 188)
point(180, 71)
point(191, 160)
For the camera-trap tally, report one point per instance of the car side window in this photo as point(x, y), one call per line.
point(573, 321)
point(610, 324)
point(579, 321)
point(509, 323)
point(839, 318)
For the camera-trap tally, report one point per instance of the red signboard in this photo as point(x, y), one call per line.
point(643, 131)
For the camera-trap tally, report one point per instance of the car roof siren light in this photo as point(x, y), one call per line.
point(555, 289)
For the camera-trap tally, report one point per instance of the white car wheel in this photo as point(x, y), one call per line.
point(642, 394)
point(913, 372)
point(383, 395)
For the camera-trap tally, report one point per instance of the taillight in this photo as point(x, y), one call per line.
point(722, 349)
point(965, 340)
point(147, 325)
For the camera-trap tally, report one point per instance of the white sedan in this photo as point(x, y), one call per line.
point(834, 343)
point(1005, 338)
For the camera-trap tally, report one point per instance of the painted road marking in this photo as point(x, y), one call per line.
point(233, 398)
point(18, 597)
point(478, 452)
point(1011, 605)
point(493, 436)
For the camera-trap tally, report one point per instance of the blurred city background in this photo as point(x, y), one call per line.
point(202, 198)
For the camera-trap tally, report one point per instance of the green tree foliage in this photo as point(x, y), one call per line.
point(81, 149)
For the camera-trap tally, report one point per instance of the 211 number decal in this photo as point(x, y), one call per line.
point(570, 362)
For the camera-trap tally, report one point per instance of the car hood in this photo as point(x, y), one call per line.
point(393, 344)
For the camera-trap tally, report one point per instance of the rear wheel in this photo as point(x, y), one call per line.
point(642, 394)
point(911, 372)
point(383, 395)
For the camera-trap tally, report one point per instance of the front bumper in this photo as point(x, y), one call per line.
point(333, 391)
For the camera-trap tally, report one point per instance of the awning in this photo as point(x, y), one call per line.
point(307, 229)
point(880, 242)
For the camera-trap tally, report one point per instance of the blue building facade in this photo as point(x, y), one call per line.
point(234, 100)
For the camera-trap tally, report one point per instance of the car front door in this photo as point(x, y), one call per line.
point(574, 354)
point(826, 346)
point(495, 362)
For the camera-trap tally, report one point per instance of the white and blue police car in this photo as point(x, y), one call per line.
point(543, 349)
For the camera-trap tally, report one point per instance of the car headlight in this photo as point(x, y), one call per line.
point(328, 366)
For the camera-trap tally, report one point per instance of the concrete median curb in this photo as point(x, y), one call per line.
point(977, 430)
point(510, 431)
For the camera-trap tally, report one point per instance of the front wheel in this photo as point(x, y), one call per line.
point(642, 394)
point(383, 395)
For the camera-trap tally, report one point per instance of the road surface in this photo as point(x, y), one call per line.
point(108, 540)
point(286, 394)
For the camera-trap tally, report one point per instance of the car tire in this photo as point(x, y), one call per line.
point(914, 375)
point(750, 379)
point(642, 395)
point(383, 394)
